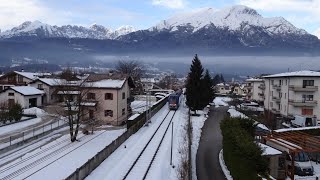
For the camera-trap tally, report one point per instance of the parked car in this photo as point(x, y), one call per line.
point(302, 121)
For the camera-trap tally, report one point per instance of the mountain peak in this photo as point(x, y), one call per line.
point(232, 18)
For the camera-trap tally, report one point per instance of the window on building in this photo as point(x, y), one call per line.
point(280, 82)
point(280, 95)
point(108, 96)
point(91, 96)
point(285, 95)
point(11, 94)
point(20, 79)
point(286, 82)
point(1, 88)
point(271, 104)
point(40, 86)
point(272, 93)
point(308, 83)
point(305, 111)
point(272, 82)
point(307, 97)
point(108, 113)
point(123, 111)
point(123, 95)
point(280, 107)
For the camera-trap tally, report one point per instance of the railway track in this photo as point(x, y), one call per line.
point(43, 157)
point(141, 166)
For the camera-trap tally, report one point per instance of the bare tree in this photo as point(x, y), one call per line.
point(80, 103)
point(133, 68)
point(168, 81)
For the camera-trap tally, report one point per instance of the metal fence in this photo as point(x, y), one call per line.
point(30, 134)
point(95, 161)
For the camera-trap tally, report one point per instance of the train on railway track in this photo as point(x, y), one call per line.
point(174, 100)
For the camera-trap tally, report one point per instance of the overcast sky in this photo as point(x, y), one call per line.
point(145, 13)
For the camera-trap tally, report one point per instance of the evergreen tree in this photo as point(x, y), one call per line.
point(207, 88)
point(216, 79)
point(222, 79)
point(194, 88)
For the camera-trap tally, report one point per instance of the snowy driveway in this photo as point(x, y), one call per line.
point(208, 166)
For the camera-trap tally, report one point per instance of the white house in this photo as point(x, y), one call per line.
point(293, 93)
point(26, 96)
point(49, 86)
point(223, 89)
point(255, 89)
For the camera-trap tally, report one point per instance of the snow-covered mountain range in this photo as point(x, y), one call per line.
point(231, 18)
point(232, 30)
point(42, 30)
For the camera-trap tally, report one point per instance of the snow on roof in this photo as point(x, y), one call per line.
point(88, 104)
point(297, 129)
point(267, 150)
point(107, 83)
point(50, 81)
point(69, 92)
point(254, 80)
point(31, 75)
point(27, 90)
point(295, 74)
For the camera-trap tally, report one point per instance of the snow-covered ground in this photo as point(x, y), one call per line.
point(14, 127)
point(221, 101)
point(224, 167)
point(34, 111)
point(119, 162)
point(59, 158)
point(139, 106)
point(197, 123)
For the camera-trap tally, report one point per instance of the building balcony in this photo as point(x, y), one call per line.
point(276, 99)
point(276, 87)
point(303, 89)
point(302, 103)
point(262, 86)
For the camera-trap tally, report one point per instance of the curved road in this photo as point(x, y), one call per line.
point(207, 160)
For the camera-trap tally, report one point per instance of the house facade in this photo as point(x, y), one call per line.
point(107, 98)
point(255, 89)
point(292, 93)
point(26, 96)
point(50, 87)
point(222, 89)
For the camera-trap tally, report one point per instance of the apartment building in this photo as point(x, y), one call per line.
point(255, 89)
point(292, 93)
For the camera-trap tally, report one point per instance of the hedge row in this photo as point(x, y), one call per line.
point(242, 156)
point(12, 113)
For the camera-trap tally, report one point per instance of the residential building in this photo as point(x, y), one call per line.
point(26, 96)
point(255, 89)
point(222, 89)
point(239, 89)
point(108, 98)
point(17, 78)
point(292, 93)
point(49, 86)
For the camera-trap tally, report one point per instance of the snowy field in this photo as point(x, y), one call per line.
point(57, 159)
point(17, 126)
point(119, 162)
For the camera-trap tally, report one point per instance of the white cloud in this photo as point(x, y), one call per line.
point(172, 4)
point(317, 33)
point(15, 12)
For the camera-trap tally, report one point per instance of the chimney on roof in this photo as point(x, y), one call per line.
point(22, 70)
point(111, 72)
